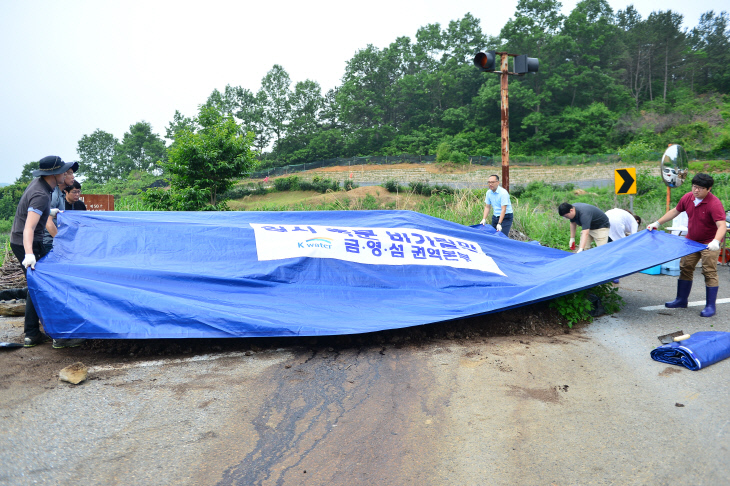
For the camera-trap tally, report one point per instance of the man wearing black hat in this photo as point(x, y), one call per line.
point(26, 236)
point(58, 204)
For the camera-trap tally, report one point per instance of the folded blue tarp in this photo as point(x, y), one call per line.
point(699, 351)
point(140, 275)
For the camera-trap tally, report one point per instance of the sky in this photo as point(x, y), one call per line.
point(69, 68)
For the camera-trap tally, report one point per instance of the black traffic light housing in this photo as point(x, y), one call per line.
point(486, 61)
point(524, 64)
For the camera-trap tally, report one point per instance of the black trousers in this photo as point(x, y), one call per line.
point(32, 322)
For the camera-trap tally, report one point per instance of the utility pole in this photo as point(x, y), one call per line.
point(522, 65)
point(504, 92)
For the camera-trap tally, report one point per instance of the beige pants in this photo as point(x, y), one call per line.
point(600, 236)
point(709, 266)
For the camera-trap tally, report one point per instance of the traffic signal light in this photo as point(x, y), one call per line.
point(524, 64)
point(485, 61)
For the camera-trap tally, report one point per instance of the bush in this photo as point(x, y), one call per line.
point(636, 151)
point(319, 185)
point(392, 186)
point(443, 152)
point(290, 183)
point(349, 185)
point(240, 191)
point(459, 158)
point(294, 183)
point(424, 189)
point(584, 305)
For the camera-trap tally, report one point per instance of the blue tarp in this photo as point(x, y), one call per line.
point(140, 275)
point(699, 351)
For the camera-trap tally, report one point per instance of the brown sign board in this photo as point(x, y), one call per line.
point(98, 202)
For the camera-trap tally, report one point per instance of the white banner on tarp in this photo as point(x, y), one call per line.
point(373, 246)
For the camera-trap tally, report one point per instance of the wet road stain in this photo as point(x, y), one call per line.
point(356, 417)
point(669, 371)
point(548, 395)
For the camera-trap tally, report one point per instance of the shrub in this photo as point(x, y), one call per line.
point(636, 151)
point(319, 185)
point(290, 183)
point(584, 305)
point(392, 186)
point(459, 158)
point(443, 152)
point(239, 191)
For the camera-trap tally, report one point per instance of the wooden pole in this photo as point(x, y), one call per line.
point(505, 119)
point(668, 197)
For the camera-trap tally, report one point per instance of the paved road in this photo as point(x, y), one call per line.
point(589, 407)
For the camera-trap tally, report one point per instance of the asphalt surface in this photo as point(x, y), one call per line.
point(589, 407)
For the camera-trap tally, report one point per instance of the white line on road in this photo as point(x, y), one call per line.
point(696, 303)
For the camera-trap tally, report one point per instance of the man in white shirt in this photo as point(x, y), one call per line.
point(623, 223)
point(498, 197)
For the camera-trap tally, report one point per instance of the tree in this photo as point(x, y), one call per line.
point(668, 40)
point(636, 53)
point(463, 38)
point(534, 31)
point(306, 103)
point(141, 149)
point(178, 124)
point(98, 157)
point(711, 42)
point(203, 164)
point(27, 175)
point(277, 109)
point(250, 109)
point(591, 53)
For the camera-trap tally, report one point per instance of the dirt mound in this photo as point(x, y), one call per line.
point(533, 320)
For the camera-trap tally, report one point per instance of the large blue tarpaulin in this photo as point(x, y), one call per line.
point(141, 275)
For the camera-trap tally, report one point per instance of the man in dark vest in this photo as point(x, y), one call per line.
point(26, 237)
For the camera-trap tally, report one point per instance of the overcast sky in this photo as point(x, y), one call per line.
point(70, 67)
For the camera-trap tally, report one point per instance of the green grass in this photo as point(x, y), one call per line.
point(709, 166)
point(535, 206)
point(272, 200)
point(131, 203)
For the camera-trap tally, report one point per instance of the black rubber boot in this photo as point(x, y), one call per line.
point(711, 298)
point(683, 289)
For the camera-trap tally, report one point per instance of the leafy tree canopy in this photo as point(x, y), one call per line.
point(204, 163)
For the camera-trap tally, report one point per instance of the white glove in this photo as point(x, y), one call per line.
point(579, 250)
point(483, 221)
point(714, 245)
point(54, 211)
point(499, 227)
point(653, 226)
point(29, 261)
point(571, 243)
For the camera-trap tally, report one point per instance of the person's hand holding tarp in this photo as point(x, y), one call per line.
point(699, 351)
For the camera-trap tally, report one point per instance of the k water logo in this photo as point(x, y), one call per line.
point(325, 243)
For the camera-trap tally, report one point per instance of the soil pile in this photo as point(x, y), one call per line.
point(533, 320)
